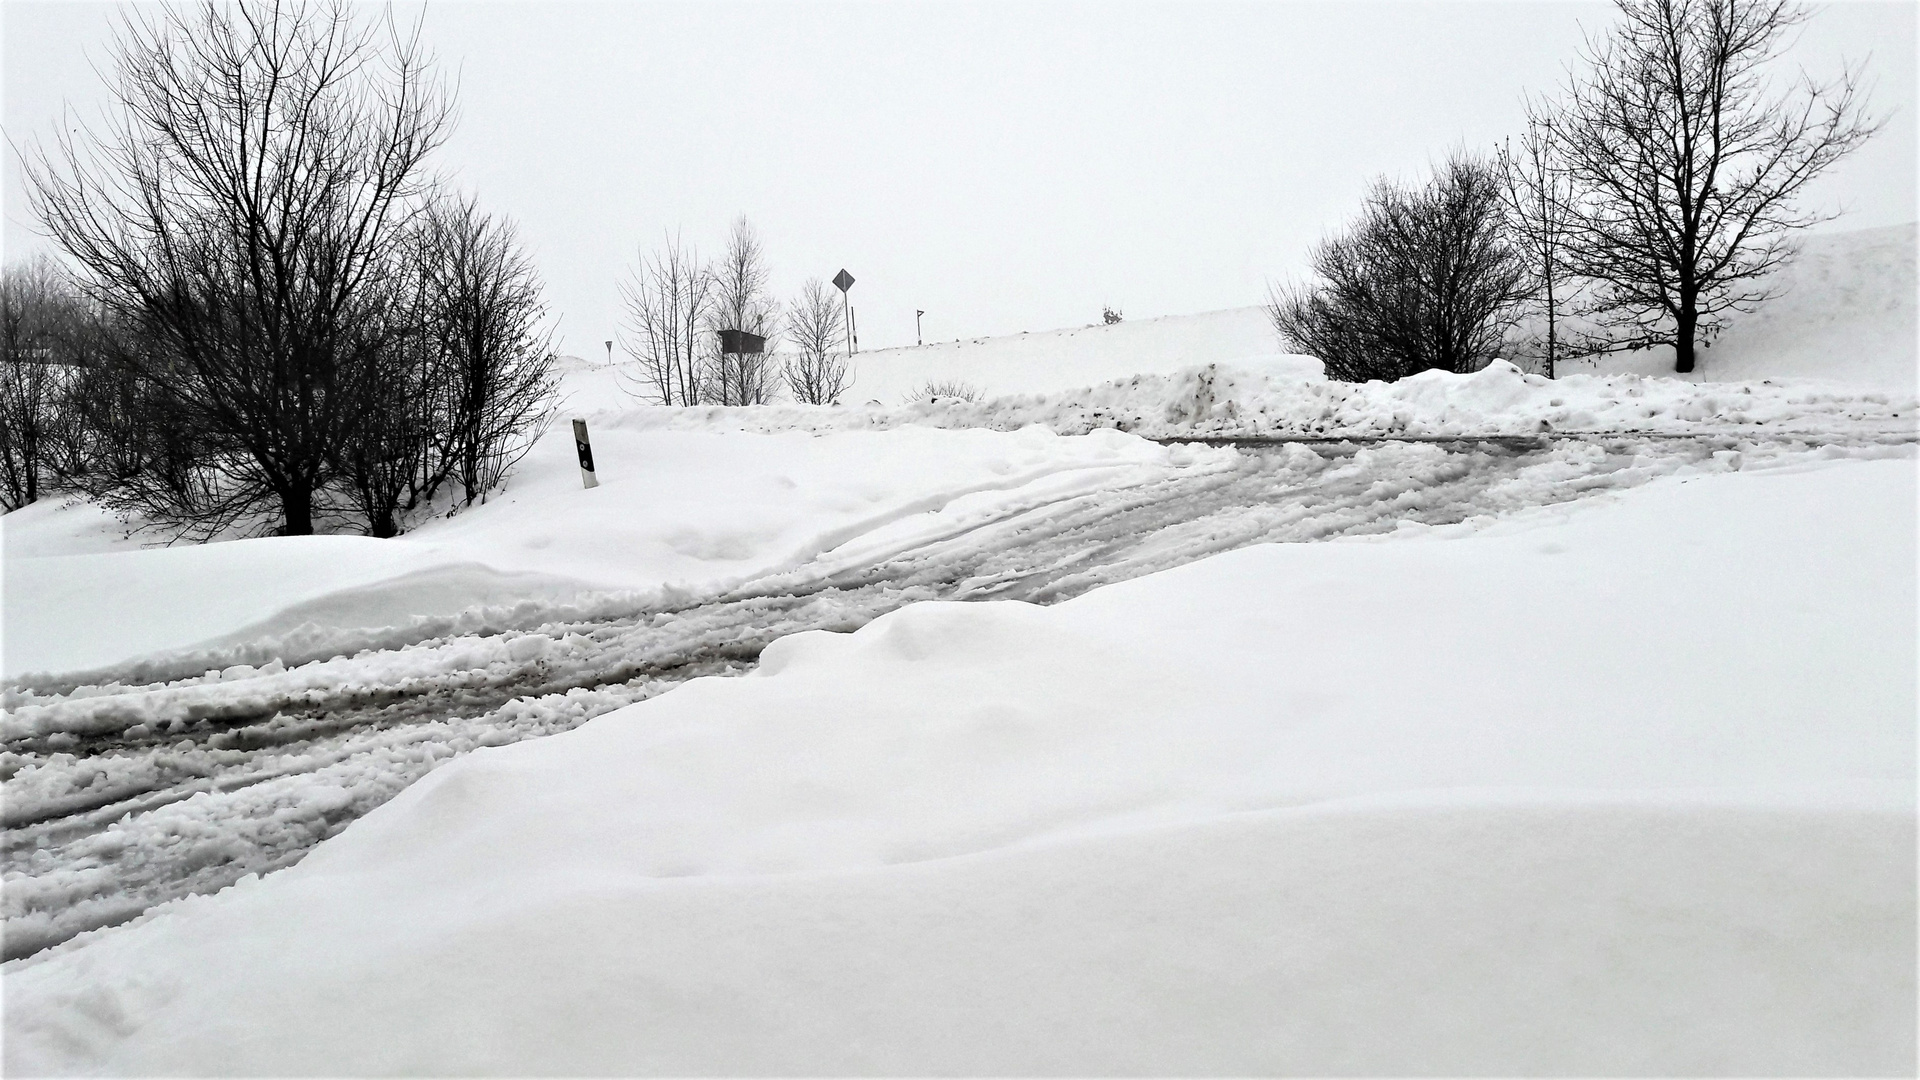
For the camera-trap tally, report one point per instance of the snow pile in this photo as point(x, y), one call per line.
point(1281, 400)
point(675, 512)
point(1625, 788)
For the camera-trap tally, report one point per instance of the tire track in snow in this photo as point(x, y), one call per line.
point(133, 799)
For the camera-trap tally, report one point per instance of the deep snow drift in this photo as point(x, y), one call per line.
point(1625, 787)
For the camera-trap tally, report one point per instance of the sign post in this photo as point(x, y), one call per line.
point(609, 354)
point(585, 450)
point(917, 339)
point(844, 281)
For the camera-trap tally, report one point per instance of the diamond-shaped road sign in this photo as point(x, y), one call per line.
point(843, 281)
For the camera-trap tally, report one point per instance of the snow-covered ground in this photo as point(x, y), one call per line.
point(694, 511)
point(1622, 788)
point(687, 506)
point(1591, 749)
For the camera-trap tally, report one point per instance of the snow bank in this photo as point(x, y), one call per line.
point(674, 510)
point(1267, 400)
point(1621, 788)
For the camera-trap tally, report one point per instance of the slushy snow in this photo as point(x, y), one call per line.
point(1626, 788)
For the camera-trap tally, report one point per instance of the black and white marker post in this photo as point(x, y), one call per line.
point(917, 339)
point(585, 449)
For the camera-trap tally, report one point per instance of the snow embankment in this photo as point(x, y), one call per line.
point(1621, 788)
point(1276, 398)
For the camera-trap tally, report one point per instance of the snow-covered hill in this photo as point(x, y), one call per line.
point(1845, 311)
point(1055, 360)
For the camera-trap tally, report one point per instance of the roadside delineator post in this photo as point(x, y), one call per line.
point(585, 450)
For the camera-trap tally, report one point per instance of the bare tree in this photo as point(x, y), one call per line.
point(818, 370)
point(262, 163)
point(667, 296)
point(1687, 162)
point(1539, 196)
point(484, 311)
point(741, 302)
point(1425, 279)
point(466, 382)
point(40, 316)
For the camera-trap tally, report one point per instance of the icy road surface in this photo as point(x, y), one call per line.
point(118, 797)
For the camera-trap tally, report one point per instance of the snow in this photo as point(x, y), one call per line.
point(688, 506)
point(654, 523)
point(1591, 752)
point(1845, 312)
point(1057, 360)
point(1625, 786)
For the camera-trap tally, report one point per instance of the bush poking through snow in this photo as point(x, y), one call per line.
point(951, 389)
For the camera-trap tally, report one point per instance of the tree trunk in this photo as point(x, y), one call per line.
point(1683, 332)
point(297, 507)
point(1553, 337)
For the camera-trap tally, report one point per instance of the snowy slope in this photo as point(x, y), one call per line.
point(1622, 788)
point(1065, 359)
point(1845, 311)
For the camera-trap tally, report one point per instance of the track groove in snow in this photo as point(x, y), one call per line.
point(122, 797)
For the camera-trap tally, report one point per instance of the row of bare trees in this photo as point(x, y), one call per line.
point(676, 306)
point(296, 325)
point(1652, 198)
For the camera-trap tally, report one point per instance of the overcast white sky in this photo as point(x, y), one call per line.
point(1004, 166)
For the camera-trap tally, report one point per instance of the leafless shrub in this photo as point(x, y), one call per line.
point(818, 371)
point(668, 296)
point(944, 388)
point(42, 319)
point(740, 302)
point(1425, 279)
point(467, 383)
